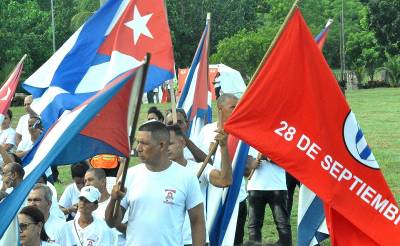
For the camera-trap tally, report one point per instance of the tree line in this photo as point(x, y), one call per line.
point(241, 31)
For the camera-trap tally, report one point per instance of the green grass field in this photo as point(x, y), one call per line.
point(378, 113)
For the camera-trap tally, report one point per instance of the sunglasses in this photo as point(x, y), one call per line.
point(24, 226)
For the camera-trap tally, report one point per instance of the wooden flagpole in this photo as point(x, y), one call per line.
point(213, 149)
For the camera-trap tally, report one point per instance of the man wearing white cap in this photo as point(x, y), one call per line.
point(88, 230)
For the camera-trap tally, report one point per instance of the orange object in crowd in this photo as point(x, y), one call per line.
point(104, 161)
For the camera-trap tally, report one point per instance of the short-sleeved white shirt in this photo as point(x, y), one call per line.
point(157, 203)
point(7, 136)
point(25, 144)
point(207, 136)
point(95, 234)
point(204, 180)
point(22, 127)
point(70, 196)
point(58, 231)
point(268, 176)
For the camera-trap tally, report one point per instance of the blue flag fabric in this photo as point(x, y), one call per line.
point(223, 217)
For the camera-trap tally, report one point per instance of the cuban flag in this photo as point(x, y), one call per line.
point(99, 125)
point(114, 40)
point(224, 222)
point(196, 95)
point(7, 91)
point(323, 35)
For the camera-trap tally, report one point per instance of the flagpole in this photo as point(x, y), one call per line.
point(342, 83)
point(272, 45)
point(214, 147)
point(53, 27)
point(173, 101)
point(258, 159)
point(125, 165)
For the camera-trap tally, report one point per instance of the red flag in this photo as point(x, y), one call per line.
point(8, 89)
point(295, 113)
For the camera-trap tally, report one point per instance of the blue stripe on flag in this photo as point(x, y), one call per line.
point(321, 236)
point(155, 77)
point(365, 153)
point(359, 135)
point(310, 222)
point(225, 211)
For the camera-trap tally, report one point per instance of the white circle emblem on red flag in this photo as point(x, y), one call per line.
point(356, 143)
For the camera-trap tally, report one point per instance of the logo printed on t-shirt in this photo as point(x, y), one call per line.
point(169, 196)
point(91, 240)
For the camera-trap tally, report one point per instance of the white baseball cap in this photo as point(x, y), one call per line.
point(91, 193)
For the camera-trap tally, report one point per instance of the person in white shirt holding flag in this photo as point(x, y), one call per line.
point(210, 175)
point(159, 193)
point(226, 103)
point(89, 230)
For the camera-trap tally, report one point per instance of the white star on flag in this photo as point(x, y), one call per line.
point(139, 25)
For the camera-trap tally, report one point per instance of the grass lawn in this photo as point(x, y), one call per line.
point(378, 113)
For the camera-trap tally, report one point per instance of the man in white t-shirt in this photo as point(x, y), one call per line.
point(210, 175)
point(56, 228)
point(159, 193)
point(34, 129)
point(89, 230)
point(22, 127)
point(268, 186)
point(70, 197)
point(7, 134)
point(226, 103)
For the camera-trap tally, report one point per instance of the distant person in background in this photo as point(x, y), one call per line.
point(150, 96)
point(70, 197)
point(12, 174)
point(217, 85)
point(7, 134)
point(34, 129)
point(155, 114)
point(22, 131)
